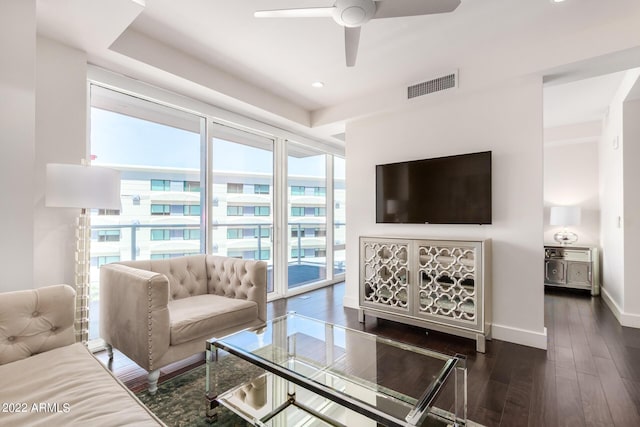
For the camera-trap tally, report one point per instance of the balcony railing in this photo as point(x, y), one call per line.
point(132, 245)
point(298, 232)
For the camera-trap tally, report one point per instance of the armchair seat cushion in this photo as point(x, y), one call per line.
point(204, 315)
point(157, 312)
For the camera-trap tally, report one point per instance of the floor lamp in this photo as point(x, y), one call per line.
point(82, 187)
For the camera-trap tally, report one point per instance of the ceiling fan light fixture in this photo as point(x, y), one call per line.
point(353, 13)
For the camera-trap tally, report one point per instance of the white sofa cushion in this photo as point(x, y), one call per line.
point(35, 320)
point(69, 387)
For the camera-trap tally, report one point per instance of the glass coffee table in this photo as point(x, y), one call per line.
point(309, 372)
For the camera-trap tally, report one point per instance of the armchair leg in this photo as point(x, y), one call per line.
point(152, 379)
point(109, 349)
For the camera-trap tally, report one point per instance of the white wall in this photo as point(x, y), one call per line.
point(17, 141)
point(631, 176)
point(571, 179)
point(612, 220)
point(61, 137)
point(506, 120)
point(42, 119)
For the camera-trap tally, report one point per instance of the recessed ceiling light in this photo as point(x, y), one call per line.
point(557, 1)
point(317, 84)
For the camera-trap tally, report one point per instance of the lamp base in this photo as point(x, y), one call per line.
point(565, 237)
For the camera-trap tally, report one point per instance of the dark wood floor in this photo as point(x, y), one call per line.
point(589, 376)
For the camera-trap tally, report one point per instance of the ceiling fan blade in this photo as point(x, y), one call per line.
point(351, 41)
point(310, 12)
point(396, 8)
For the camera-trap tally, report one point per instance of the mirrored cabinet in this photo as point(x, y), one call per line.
point(438, 284)
point(574, 267)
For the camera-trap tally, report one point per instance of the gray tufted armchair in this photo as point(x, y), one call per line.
point(157, 312)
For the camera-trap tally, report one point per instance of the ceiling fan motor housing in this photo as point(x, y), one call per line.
point(353, 13)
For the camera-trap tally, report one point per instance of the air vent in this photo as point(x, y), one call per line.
point(431, 86)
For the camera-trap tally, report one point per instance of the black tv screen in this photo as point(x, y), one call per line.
point(444, 190)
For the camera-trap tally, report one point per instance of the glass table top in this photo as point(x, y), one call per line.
point(387, 381)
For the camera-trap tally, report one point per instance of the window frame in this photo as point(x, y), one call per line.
point(166, 209)
point(211, 115)
point(165, 184)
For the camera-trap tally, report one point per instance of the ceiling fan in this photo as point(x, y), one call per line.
point(352, 14)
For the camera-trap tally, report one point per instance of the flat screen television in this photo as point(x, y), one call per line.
point(443, 190)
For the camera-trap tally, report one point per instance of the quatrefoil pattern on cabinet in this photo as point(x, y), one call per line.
point(447, 281)
point(385, 274)
point(444, 285)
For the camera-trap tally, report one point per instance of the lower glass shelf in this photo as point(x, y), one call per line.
point(264, 402)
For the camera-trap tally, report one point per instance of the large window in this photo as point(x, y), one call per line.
point(242, 166)
point(307, 182)
point(339, 215)
point(192, 185)
point(157, 150)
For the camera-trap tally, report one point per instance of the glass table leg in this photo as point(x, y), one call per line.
point(211, 387)
point(460, 385)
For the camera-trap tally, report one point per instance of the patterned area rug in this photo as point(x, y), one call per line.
point(180, 401)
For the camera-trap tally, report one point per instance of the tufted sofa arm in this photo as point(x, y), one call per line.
point(240, 279)
point(35, 321)
point(134, 313)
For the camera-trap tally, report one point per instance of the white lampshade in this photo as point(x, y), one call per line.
point(565, 215)
point(85, 187)
point(392, 206)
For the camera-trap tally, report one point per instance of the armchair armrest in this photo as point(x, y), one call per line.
point(238, 278)
point(35, 321)
point(134, 317)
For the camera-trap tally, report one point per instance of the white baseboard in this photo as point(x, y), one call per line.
point(625, 319)
point(500, 332)
point(520, 336)
point(617, 311)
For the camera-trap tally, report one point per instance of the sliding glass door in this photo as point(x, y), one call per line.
point(157, 150)
point(307, 215)
point(241, 198)
point(339, 216)
point(191, 185)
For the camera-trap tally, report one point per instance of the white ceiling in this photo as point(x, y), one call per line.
point(580, 101)
point(218, 52)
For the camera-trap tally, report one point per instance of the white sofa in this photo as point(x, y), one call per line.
point(46, 379)
point(157, 312)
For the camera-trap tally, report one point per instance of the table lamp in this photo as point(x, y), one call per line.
point(565, 216)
